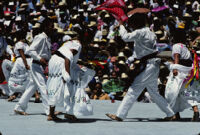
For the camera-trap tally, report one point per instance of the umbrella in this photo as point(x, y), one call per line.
point(114, 85)
point(138, 10)
point(160, 8)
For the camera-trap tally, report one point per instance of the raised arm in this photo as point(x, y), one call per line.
point(127, 37)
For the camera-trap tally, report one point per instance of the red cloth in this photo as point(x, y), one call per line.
point(113, 3)
point(115, 7)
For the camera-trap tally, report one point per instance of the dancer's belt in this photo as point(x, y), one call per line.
point(140, 67)
point(27, 56)
point(59, 54)
point(186, 62)
point(36, 62)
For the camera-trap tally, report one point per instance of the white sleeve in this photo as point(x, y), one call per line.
point(176, 49)
point(8, 49)
point(127, 37)
point(65, 75)
point(19, 45)
point(37, 41)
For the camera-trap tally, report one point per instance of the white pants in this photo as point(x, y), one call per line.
point(147, 79)
point(37, 81)
point(7, 66)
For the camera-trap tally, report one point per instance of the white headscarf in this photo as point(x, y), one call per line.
point(71, 45)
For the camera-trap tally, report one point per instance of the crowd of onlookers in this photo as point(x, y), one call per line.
point(102, 47)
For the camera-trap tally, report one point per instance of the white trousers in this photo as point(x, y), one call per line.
point(148, 79)
point(37, 81)
point(7, 66)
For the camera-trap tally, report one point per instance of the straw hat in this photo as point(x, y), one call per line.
point(105, 76)
point(188, 3)
point(124, 76)
point(130, 6)
point(121, 62)
point(187, 15)
point(37, 25)
point(60, 4)
point(96, 46)
point(70, 32)
point(96, 40)
point(107, 16)
point(92, 23)
point(111, 41)
point(121, 54)
point(24, 5)
point(60, 31)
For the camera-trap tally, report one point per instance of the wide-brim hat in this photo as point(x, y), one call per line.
point(124, 76)
point(36, 26)
point(24, 5)
point(92, 23)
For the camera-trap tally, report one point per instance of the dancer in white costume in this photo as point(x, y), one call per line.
point(3, 61)
point(19, 76)
point(144, 46)
point(180, 69)
point(59, 76)
point(41, 53)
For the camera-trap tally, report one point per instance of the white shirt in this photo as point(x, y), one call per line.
point(20, 45)
point(4, 47)
point(182, 50)
point(144, 41)
point(40, 47)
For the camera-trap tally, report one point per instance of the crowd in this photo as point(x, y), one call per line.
point(103, 49)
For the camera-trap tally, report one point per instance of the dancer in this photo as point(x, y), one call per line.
point(60, 75)
point(144, 49)
point(4, 48)
point(40, 51)
point(180, 69)
point(19, 76)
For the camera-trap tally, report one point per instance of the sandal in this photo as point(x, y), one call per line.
point(20, 112)
point(11, 98)
point(114, 117)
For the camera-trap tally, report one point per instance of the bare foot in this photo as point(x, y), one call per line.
point(20, 112)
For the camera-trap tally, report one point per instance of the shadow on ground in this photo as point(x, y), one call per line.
point(82, 120)
point(155, 120)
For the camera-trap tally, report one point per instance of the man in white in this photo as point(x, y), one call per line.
point(41, 53)
point(3, 62)
point(144, 46)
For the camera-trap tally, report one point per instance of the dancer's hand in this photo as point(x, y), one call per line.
point(27, 67)
point(43, 61)
point(175, 72)
point(120, 22)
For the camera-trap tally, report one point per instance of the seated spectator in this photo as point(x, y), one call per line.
point(98, 93)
